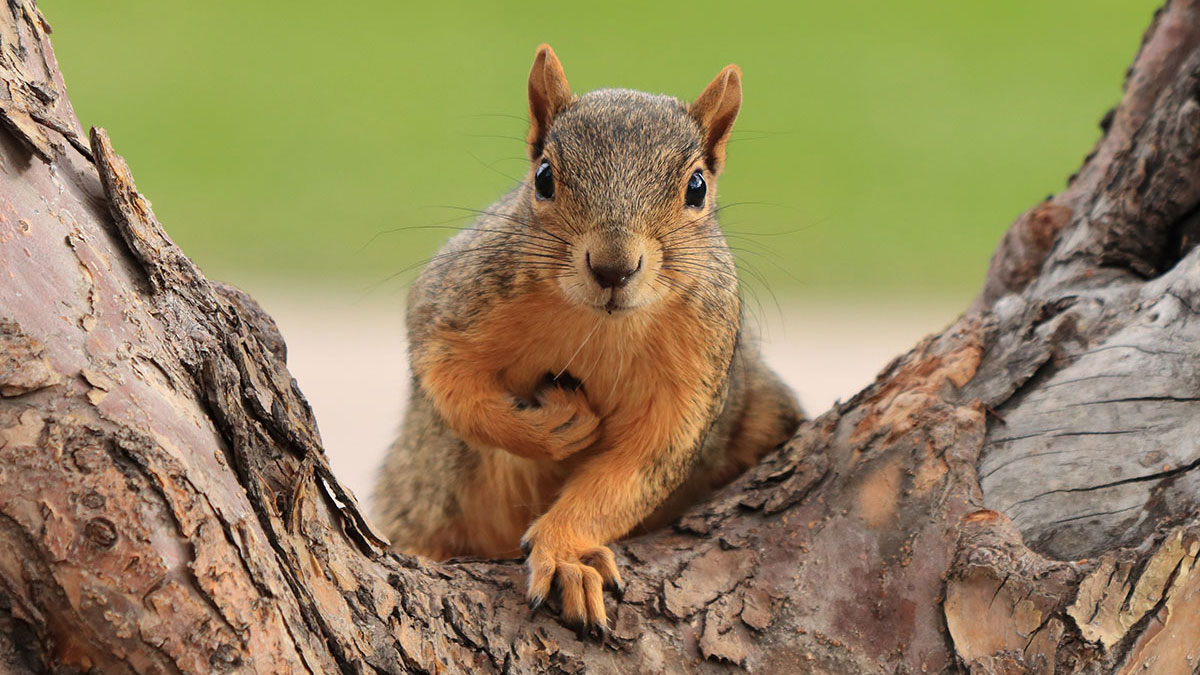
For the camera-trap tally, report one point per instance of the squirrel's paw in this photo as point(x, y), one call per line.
point(579, 570)
point(560, 423)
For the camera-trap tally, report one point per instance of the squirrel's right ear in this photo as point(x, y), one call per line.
point(715, 110)
point(549, 94)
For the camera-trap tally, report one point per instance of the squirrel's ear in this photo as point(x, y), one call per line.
point(549, 94)
point(715, 110)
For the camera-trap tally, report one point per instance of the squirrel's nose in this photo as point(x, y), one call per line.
point(614, 275)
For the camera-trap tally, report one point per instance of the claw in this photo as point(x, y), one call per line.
point(526, 547)
point(565, 380)
point(618, 590)
point(536, 603)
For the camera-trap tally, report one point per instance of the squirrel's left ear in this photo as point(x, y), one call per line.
point(715, 110)
point(549, 94)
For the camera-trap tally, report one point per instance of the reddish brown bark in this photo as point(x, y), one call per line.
point(1018, 493)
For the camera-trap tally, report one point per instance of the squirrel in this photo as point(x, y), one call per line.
point(580, 367)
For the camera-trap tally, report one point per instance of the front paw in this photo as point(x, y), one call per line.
point(558, 424)
point(580, 569)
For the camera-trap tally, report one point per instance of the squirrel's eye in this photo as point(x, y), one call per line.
point(696, 189)
point(543, 181)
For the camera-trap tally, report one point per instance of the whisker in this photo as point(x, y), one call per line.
point(522, 141)
point(599, 357)
point(491, 168)
point(510, 218)
point(442, 258)
point(767, 256)
point(731, 324)
point(719, 208)
point(620, 369)
point(439, 226)
point(580, 347)
point(704, 216)
point(719, 235)
point(511, 117)
point(757, 301)
point(699, 264)
point(784, 233)
point(711, 283)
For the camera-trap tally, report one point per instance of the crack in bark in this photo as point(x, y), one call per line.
point(1135, 399)
point(1139, 348)
point(1010, 439)
point(1183, 301)
point(1021, 458)
point(1077, 380)
point(1098, 513)
point(1114, 432)
point(1159, 475)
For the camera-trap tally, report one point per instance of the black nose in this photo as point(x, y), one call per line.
point(613, 275)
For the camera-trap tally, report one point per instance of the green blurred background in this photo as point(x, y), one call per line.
point(882, 149)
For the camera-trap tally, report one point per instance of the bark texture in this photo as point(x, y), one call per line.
point(1016, 494)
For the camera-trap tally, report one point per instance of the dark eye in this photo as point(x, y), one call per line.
point(696, 189)
point(543, 181)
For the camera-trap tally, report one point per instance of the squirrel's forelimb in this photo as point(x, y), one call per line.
point(549, 424)
point(605, 498)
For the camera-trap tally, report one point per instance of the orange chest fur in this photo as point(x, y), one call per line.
point(624, 362)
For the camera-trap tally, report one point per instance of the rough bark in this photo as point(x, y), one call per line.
point(1018, 493)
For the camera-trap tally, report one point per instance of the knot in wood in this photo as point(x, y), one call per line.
point(101, 532)
point(985, 556)
point(92, 500)
point(225, 658)
point(88, 459)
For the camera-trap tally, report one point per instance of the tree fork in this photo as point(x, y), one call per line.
point(1018, 493)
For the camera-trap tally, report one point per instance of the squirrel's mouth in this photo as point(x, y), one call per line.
point(615, 307)
point(619, 301)
point(612, 306)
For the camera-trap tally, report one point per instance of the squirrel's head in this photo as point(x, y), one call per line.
point(623, 185)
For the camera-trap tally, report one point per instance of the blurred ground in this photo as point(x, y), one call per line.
point(349, 357)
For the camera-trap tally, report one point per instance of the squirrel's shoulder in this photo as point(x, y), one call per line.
point(473, 268)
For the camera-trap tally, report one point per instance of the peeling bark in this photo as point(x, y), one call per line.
point(1016, 494)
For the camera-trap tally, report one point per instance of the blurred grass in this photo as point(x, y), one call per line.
point(883, 147)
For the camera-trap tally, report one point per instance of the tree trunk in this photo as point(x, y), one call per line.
point(1017, 494)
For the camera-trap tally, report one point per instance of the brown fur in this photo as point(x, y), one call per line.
point(674, 400)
